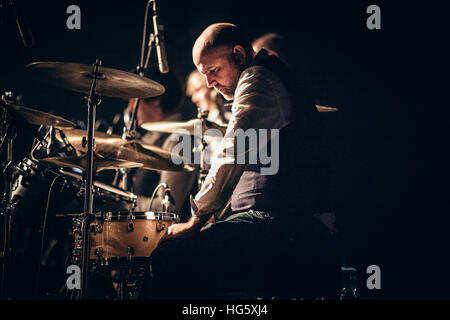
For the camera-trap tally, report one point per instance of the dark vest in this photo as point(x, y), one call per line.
point(297, 186)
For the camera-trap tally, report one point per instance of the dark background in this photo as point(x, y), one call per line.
point(389, 141)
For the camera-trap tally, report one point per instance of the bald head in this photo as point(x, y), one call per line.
point(275, 44)
point(220, 54)
point(218, 36)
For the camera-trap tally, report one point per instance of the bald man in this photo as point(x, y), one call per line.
point(200, 260)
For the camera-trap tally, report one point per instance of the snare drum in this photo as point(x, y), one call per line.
point(118, 238)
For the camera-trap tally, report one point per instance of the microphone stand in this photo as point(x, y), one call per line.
point(129, 132)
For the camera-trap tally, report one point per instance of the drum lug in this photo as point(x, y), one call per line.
point(130, 226)
point(160, 226)
point(97, 228)
point(130, 253)
point(99, 252)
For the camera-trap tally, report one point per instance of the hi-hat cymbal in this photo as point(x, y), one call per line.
point(114, 147)
point(36, 117)
point(326, 109)
point(110, 82)
point(80, 162)
point(191, 127)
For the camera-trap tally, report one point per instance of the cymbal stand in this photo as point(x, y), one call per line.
point(10, 133)
point(93, 101)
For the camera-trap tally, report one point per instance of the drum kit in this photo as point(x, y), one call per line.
point(107, 232)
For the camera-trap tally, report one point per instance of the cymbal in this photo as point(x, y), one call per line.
point(110, 82)
point(326, 109)
point(192, 127)
point(114, 147)
point(80, 162)
point(36, 117)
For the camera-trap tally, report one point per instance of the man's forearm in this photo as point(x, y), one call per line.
point(199, 221)
point(189, 228)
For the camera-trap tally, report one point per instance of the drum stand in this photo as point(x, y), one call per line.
point(128, 282)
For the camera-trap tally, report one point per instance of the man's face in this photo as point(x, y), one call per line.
point(203, 99)
point(200, 94)
point(220, 71)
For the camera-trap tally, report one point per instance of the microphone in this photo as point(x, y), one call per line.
point(159, 41)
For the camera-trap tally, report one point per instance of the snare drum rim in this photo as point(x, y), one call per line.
point(140, 215)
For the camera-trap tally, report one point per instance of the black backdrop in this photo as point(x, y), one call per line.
point(389, 141)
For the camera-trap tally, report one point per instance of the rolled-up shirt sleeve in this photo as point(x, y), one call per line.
point(261, 102)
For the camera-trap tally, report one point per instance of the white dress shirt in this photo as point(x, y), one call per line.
point(261, 101)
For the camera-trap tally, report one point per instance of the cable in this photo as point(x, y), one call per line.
point(144, 34)
point(36, 292)
point(154, 193)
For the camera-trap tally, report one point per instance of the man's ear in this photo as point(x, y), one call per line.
point(239, 54)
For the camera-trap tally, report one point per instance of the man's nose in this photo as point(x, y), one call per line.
point(210, 81)
point(195, 98)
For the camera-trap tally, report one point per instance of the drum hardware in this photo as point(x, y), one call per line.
point(99, 252)
point(96, 83)
point(9, 135)
point(130, 253)
point(130, 224)
point(160, 226)
point(24, 172)
point(101, 190)
point(97, 228)
point(202, 115)
point(167, 200)
point(93, 101)
point(122, 176)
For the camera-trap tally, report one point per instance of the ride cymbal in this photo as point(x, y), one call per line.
point(110, 82)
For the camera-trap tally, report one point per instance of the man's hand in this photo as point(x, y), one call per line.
point(186, 229)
